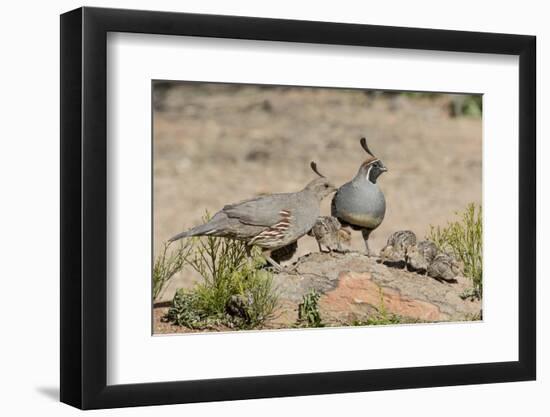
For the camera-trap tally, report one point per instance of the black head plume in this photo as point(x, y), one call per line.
point(313, 166)
point(363, 142)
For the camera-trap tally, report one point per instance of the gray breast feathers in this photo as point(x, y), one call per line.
point(360, 204)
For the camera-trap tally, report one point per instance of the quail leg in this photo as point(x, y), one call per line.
point(338, 244)
point(339, 248)
point(366, 233)
point(278, 268)
point(320, 247)
point(272, 262)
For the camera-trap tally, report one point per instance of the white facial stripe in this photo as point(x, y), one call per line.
point(368, 174)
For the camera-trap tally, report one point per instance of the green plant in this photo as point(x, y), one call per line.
point(167, 264)
point(474, 316)
point(467, 105)
point(235, 290)
point(308, 311)
point(472, 106)
point(382, 317)
point(256, 296)
point(464, 239)
point(185, 311)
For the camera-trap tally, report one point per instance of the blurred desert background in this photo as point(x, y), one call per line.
point(216, 144)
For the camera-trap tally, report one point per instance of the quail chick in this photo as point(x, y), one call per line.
point(393, 254)
point(329, 233)
point(444, 267)
point(270, 222)
point(420, 256)
point(360, 203)
point(238, 306)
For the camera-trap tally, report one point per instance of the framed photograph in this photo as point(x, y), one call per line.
point(259, 208)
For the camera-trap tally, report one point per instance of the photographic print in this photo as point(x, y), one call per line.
point(290, 207)
point(290, 198)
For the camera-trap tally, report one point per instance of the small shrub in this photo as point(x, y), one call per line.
point(235, 291)
point(464, 240)
point(252, 288)
point(308, 311)
point(185, 311)
point(167, 264)
point(473, 106)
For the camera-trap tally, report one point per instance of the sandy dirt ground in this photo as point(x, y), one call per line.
point(218, 144)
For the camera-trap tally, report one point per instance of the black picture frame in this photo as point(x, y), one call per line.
point(84, 207)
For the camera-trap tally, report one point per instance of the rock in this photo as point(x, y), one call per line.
point(358, 295)
point(354, 287)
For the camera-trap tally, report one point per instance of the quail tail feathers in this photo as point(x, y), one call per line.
point(209, 228)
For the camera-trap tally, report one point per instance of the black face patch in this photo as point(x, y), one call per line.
point(374, 170)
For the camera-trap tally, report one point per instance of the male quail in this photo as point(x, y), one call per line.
point(360, 203)
point(394, 253)
point(444, 267)
point(270, 222)
point(329, 233)
point(421, 255)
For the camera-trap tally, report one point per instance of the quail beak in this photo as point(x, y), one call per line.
point(327, 190)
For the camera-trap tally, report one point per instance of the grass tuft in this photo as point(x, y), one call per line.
point(382, 317)
point(464, 239)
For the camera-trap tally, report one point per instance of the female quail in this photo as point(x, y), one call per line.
point(270, 222)
point(360, 203)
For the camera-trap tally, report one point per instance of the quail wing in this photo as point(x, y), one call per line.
point(260, 211)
